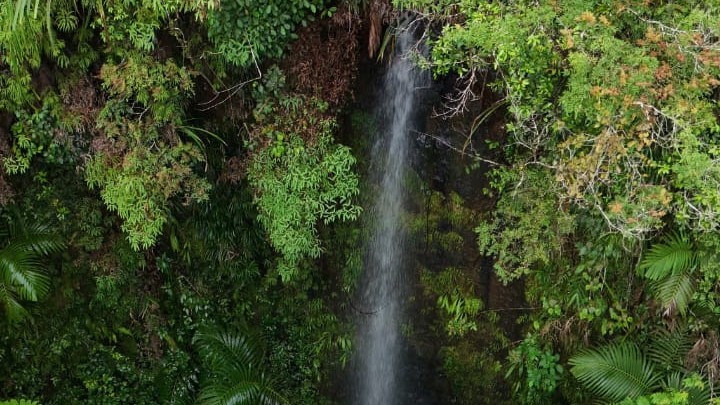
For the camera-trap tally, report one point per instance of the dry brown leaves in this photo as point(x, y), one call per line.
point(706, 354)
point(108, 146)
point(323, 62)
point(84, 101)
point(234, 171)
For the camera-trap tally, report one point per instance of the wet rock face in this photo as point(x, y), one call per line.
point(451, 202)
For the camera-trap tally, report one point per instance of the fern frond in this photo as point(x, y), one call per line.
point(672, 256)
point(674, 292)
point(615, 372)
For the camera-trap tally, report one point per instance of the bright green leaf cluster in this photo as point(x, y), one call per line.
point(540, 369)
point(245, 31)
point(139, 186)
point(41, 133)
point(162, 87)
point(300, 181)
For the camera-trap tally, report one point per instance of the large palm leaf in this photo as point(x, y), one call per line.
point(22, 276)
point(674, 292)
point(668, 349)
point(235, 375)
point(673, 256)
point(615, 372)
point(669, 266)
point(618, 371)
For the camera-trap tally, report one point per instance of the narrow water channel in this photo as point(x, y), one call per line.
point(383, 287)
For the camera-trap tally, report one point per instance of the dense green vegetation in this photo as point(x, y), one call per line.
point(179, 221)
point(607, 205)
point(165, 198)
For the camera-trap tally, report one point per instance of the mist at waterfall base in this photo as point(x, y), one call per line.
point(383, 373)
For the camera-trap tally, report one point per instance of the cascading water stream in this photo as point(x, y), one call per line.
point(379, 340)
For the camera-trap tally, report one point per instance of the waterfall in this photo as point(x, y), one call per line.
point(379, 340)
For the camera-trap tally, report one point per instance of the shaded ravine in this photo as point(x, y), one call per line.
point(382, 289)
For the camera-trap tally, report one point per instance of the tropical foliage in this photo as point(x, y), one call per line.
point(127, 130)
point(300, 178)
point(622, 373)
point(603, 174)
point(169, 165)
point(22, 274)
point(235, 371)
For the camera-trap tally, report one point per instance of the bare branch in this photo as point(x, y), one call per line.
point(454, 148)
point(230, 91)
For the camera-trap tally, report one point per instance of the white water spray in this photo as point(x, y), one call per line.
point(379, 340)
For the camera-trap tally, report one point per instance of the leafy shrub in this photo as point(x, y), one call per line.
point(300, 177)
point(538, 371)
point(245, 31)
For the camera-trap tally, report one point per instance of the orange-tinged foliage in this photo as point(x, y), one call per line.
point(587, 17)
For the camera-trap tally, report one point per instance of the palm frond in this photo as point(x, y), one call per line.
point(614, 372)
point(240, 393)
point(234, 372)
point(42, 241)
point(674, 293)
point(699, 396)
point(22, 276)
point(672, 256)
point(226, 350)
point(673, 381)
point(669, 349)
point(20, 269)
point(34, 235)
point(13, 309)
